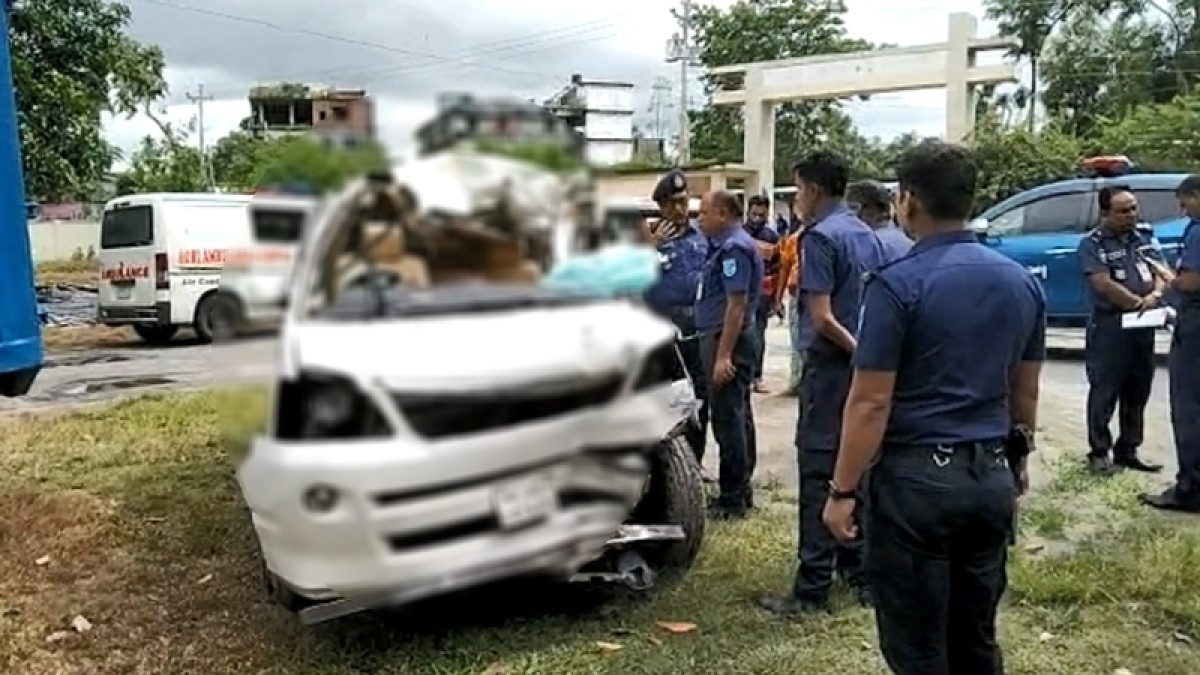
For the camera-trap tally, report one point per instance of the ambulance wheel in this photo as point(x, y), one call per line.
point(218, 318)
point(675, 496)
point(154, 334)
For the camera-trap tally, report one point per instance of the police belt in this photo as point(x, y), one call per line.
point(967, 452)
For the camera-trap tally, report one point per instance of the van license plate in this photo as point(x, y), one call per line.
point(124, 292)
point(524, 501)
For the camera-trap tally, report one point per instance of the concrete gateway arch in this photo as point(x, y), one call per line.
point(762, 85)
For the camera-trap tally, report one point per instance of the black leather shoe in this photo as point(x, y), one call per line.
point(1133, 463)
point(1100, 466)
point(792, 607)
point(1171, 500)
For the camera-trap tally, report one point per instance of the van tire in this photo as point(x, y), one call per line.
point(155, 334)
point(674, 496)
point(219, 318)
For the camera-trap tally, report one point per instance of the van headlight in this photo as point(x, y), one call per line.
point(330, 407)
point(322, 408)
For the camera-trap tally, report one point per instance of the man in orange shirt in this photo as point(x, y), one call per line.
point(785, 299)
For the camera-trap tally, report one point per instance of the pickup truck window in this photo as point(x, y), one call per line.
point(1059, 213)
point(1155, 206)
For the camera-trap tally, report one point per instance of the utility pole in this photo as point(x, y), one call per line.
point(679, 48)
point(659, 106)
point(199, 99)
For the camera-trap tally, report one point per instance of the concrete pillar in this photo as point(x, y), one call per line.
point(291, 114)
point(960, 109)
point(759, 142)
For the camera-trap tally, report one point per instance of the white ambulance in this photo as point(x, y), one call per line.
point(258, 272)
point(161, 258)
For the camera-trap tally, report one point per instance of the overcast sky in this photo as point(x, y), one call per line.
point(404, 53)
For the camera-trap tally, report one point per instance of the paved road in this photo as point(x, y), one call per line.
point(106, 374)
point(101, 376)
point(1062, 430)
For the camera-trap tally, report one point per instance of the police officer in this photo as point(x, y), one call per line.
point(1184, 362)
point(934, 417)
point(872, 203)
point(682, 249)
point(768, 246)
point(1120, 362)
point(729, 293)
point(837, 249)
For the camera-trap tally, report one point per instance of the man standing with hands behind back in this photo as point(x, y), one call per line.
point(836, 251)
point(729, 293)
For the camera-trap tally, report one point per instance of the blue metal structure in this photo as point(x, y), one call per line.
point(20, 329)
point(1041, 228)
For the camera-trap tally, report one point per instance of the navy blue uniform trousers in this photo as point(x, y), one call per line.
point(1120, 372)
point(937, 524)
point(824, 385)
point(1183, 365)
point(733, 417)
point(689, 352)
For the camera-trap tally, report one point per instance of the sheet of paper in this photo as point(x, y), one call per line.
point(1153, 318)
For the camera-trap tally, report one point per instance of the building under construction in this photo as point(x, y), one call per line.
point(343, 117)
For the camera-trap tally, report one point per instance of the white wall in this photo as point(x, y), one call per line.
point(608, 98)
point(601, 153)
point(608, 126)
point(53, 240)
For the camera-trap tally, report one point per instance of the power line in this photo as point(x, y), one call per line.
point(569, 32)
point(342, 39)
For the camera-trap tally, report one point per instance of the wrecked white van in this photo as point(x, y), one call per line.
point(443, 420)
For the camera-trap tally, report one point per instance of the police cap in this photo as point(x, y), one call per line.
point(673, 184)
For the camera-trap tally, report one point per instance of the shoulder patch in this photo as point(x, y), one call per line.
point(729, 267)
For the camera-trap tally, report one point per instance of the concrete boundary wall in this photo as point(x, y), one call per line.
point(55, 240)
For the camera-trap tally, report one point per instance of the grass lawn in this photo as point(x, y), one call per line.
point(129, 517)
point(75, 272)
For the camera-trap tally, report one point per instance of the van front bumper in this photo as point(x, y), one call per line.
point(158, 313)
point(389, 521)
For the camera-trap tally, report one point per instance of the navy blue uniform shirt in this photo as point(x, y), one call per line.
point(1119, 256)
point(734, 265)
point(895, 242)
point(952, 319)
point(1189, 260)
point(674, 294)
point(838, 249)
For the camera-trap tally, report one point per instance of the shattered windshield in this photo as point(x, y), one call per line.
point(390, 248)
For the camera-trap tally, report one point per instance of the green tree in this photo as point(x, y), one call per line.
point(166, 164)
point(1013, 158)
point(72, 61)
point(1159, 137)
point(762, 30)
point(1030, 23)
point(302, 159)
point(237, 158)
point(1099, 67)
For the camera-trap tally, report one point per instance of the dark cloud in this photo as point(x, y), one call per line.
point(410, 52)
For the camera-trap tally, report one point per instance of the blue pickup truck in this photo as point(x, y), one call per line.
point(1041, 228)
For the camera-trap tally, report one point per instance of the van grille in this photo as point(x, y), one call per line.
point(443, 416)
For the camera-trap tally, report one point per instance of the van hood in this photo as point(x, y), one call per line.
point(469, 353)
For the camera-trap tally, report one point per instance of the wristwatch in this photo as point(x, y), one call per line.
point(839, 494)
